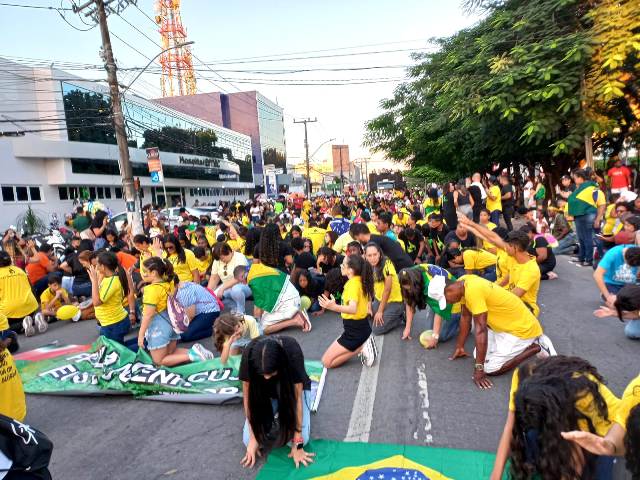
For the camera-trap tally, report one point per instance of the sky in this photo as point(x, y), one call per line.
point(238, 29)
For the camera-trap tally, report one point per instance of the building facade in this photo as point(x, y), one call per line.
point(58, 148)
point(250, 113)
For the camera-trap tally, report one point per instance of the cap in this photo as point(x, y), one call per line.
point(436, 290)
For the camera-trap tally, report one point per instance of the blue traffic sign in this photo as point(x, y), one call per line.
point(155, 177)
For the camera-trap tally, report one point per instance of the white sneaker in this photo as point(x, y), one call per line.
point(27, 325)
point(369, 352)
point(41, 323)
point(201, 352)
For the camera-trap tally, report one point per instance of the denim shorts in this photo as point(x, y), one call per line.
point(160, 333)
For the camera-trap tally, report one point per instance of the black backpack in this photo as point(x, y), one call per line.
point(28, 448)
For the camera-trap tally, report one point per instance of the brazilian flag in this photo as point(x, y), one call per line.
point(371, 461)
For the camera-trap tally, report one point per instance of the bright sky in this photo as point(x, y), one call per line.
point(240, 29)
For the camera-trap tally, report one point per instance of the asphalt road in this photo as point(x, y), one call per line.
point(420, 397)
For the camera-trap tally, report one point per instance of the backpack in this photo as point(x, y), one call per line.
point(29, 449)
point(178, 317)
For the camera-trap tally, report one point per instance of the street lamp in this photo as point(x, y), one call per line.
point(308, 157)
point(180, 45)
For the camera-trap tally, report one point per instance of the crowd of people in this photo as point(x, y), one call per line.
point(473, 252)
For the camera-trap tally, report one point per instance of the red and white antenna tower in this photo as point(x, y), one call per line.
point(177, 67)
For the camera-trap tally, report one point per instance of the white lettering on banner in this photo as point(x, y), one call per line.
point(217, 375)
point(60, 372)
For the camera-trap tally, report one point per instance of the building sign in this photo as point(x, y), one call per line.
point(153, 159)
point(200, 162)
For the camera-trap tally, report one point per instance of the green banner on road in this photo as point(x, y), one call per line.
point(109, 368)
point(366, 461)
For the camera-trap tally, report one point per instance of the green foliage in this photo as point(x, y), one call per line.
point(428, 174)
point(509, 90)
point(95, 126)
point(30, 223)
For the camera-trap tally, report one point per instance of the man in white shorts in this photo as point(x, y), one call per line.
point(506, 332)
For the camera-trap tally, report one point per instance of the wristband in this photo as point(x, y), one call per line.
point(479, 366)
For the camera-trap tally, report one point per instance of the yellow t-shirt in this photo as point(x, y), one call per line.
point(488, 245)
point(4, 322)
point(237, 245)
point(372, 228)
point(505, 311)
point(478, 259)
point(378, 287)
point(184, 270)
point(111, 295)
point(396, 220)
point(155, 295)
point(16, 298)
point(341, 243)
point(584, 405)
point(609, 221)
point(250, 329)
point(144, 256)
point(503, 265)
point(316, 235)
point(494, 204)
point(49, 295)
point(527, 277)
point(204, 265)
point(353, 291)
point(630, 400)
point(12, 400)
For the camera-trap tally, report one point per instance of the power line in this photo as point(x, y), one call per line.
point(38, 7)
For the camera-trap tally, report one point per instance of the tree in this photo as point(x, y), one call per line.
point(510, 90)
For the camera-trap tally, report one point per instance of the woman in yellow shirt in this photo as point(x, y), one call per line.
point(156, 328)
point(549, 396)
point(12, 400)
point(356, 338)
point(623, 438)
point(110, 286)
point(387, 308)
point(17, 301)
point(185, 264)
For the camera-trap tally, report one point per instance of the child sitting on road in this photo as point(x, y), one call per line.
point(232, 332)
point(53, 298)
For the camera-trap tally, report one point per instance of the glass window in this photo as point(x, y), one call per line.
point(107, 192)
point(8, 195)
point(63, 193)
point(92, 193)
point(119, 192)
point(34, 193)
point(73, 193)
point(100, 192)
point(22, 194)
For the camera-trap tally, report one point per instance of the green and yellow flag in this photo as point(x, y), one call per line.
point(267, 285)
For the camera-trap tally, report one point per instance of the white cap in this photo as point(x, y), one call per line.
point(436, 291)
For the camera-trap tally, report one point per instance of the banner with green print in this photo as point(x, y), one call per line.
point(109, 368)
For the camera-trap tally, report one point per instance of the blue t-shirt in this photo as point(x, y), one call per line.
point(617, 272)
point(340, 225)
point(191, 293)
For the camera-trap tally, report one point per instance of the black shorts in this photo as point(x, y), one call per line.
point(355, 333)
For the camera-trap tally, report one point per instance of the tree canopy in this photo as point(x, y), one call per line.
point(525, 85)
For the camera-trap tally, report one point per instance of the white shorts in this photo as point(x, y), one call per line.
point(503, 347)
point(619, 190)
point(286, 308)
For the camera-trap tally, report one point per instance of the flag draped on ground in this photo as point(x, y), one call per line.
point(109, 368)
point(371, 461)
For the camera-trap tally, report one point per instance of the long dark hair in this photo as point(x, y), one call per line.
point(627, 300)
point(632, 443)
point(545, 406)
point(110, 261)
point(182, 257)
point(270, 245)
point(412, 286)
point(378, 270)
point(266, 355)
point(362, 268)
point(162, 266)
point(252, 239)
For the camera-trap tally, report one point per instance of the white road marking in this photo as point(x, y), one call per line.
point(362, 411)
point(423, 391)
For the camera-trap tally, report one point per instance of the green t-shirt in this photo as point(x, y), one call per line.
point(81, 223)
point(278, 208)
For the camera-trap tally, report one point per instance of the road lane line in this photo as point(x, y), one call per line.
point(423, 392)
point(362, 411)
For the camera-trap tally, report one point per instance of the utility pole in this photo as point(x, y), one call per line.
point(306, 148)
point(100, 15)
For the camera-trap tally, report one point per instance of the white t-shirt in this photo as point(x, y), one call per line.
point(482, 192)
point(225, 270)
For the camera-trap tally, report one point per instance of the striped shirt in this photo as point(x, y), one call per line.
point(191, 293)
